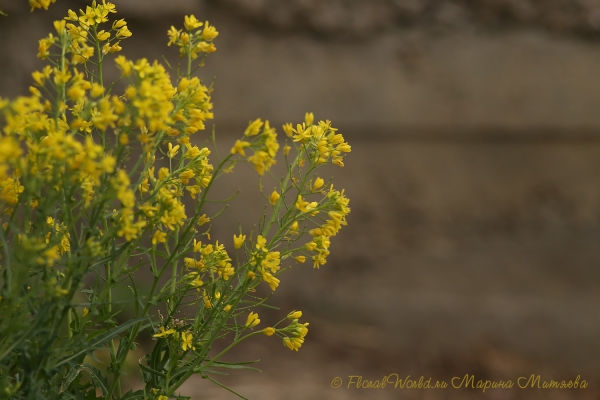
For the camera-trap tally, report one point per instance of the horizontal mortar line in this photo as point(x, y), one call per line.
point(493, 135)
point(449, 134)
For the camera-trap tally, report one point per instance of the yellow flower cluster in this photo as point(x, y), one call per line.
point(79, 194)
point(151, 96)
point(265, 145)
point(266, 263)
point(162, 332)
point(252, 320)
point(41, 4)
point(194, 106)
point(194, 40)
point(297, 332)
point(212, 258)
point(164, 207)
point(324, 144)
point(58, 234)
point(186, 339)
point(293, 335)
point(128, 228)
point(337, 204)
point(80, 46)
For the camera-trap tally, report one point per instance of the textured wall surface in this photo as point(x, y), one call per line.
point(473, 242)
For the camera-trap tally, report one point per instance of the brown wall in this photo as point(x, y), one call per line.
point(472, 246)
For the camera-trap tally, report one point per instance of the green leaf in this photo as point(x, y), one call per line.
point(99, 341)
point(214, 372)
point(237, 362)
point(226, 388)
point(150, 370)
point(233, 366)
point(138, 394)
point(97, 378)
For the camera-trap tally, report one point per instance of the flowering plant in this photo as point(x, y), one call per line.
point(98, 187)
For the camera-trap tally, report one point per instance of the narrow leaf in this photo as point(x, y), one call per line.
point(102, 339)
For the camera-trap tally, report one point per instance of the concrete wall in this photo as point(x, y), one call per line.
point(473, 178)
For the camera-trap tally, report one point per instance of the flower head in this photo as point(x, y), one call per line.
point(238, 240)
point(294, 315)
point(274, 197)
point(252, 320)
point(191, 22)
point(163, 333)
point(187, 341)
point(270, 331)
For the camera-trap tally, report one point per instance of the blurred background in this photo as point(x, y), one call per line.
point(473, 242)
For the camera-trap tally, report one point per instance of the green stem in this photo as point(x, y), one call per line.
point(189, 59)
point(275, 214)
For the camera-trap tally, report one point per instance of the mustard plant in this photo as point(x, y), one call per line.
point(98, 188)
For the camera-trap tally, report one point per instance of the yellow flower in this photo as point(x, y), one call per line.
point(159, 237)
point(209, 32)
point(274, 197)
point(252, 320)
point(294, 315)
point(206, 300)
point(40, 76)
point(124, 32)
point(203, 219)
point(97, 90)
point(239, 146)
point(238, 240)
point(40, 4)
point(194, 151)
point(310, 246)
point(253, 127)
point(172, 150)
point(163, 397)
point(190, 22)
point(301, 329)
point(270, 280)
point(194, 190)
point(207, 249)
point(271, 261)
point(163, 333)
point(262, 161)
point(300, 259)
point(124, 65)
point(189, 262)
point(319, 182)
point(197, 246)
point(293, 229)
point(269, 331)
point(173, 35)
point(309, 119)
point(288, 129)
point(85, 312)
point(225, 271)
point(261, 243)
point(119, 24)
point(186, 339)
point(197, 282)
point(103, 35)
point(305, 206)
point(185, 38)
point(293, 343)
point(286, 150)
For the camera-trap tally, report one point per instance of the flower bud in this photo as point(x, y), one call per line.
point(294, 315)
point(269, 331)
